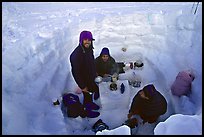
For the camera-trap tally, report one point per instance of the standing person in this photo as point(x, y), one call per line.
point(105, 63)
point(83, 69)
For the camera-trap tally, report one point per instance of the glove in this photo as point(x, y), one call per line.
point(96, 95)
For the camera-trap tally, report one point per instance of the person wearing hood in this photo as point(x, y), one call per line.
point(149, 104)
point(105, 63)
point(183, 83)
point(83, 68)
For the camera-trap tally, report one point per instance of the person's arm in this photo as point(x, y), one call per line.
point(130, 115)
point(98, 66)
point(114, 66)
point(85, 90)
point(77, 71)
point(134, 109)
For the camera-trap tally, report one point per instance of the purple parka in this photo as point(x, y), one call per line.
point(182, 84)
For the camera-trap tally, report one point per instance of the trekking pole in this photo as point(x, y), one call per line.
point(196, 8)
point(192, 7)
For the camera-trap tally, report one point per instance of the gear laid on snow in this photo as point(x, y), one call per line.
point(72, 105)
point(98, 79)
point(99, 126)
point(121, 67)
point(135, 80)
point(136, 84)
point(138, 64)
point(56, 103)
point(124, 49)
point(113, 86)
point(122, 88)
point(131, 65)
point(114, 77)
point(107, 79)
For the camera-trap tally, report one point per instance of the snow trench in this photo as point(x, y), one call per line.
point(41, 70)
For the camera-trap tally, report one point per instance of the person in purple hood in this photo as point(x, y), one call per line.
point(83, 69)
point(105, 63)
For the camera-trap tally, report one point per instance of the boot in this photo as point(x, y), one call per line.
point(96, 95)
point(87, 97)
point(92, 114)
point(88, 103)
point(91, 106)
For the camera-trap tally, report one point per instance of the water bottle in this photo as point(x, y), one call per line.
point(122, 88)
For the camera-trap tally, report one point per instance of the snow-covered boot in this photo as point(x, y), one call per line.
point(91, 106)
point(92, 114)
point(96, 95)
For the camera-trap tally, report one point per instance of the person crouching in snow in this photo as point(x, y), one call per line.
point(105, 63)
point(149, 104)
point(182, 83)
point(83, 69)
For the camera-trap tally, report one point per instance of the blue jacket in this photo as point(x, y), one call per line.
point(83, 67)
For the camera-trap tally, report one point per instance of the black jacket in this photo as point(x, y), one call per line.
point(83, 67)
point(108, 67)
point(155, 106)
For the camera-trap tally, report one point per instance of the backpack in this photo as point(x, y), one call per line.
point(73, 106)
point(120, 67)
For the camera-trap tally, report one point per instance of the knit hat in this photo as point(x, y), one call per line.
point(85, 35)
point(105, 51)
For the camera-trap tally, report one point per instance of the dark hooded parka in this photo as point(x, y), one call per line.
point(149, 109)
point(108, 67)
point(82, 63)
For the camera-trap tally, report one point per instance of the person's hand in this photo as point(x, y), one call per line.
point(78, 90)
point(85, 90)
point(129, 115)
